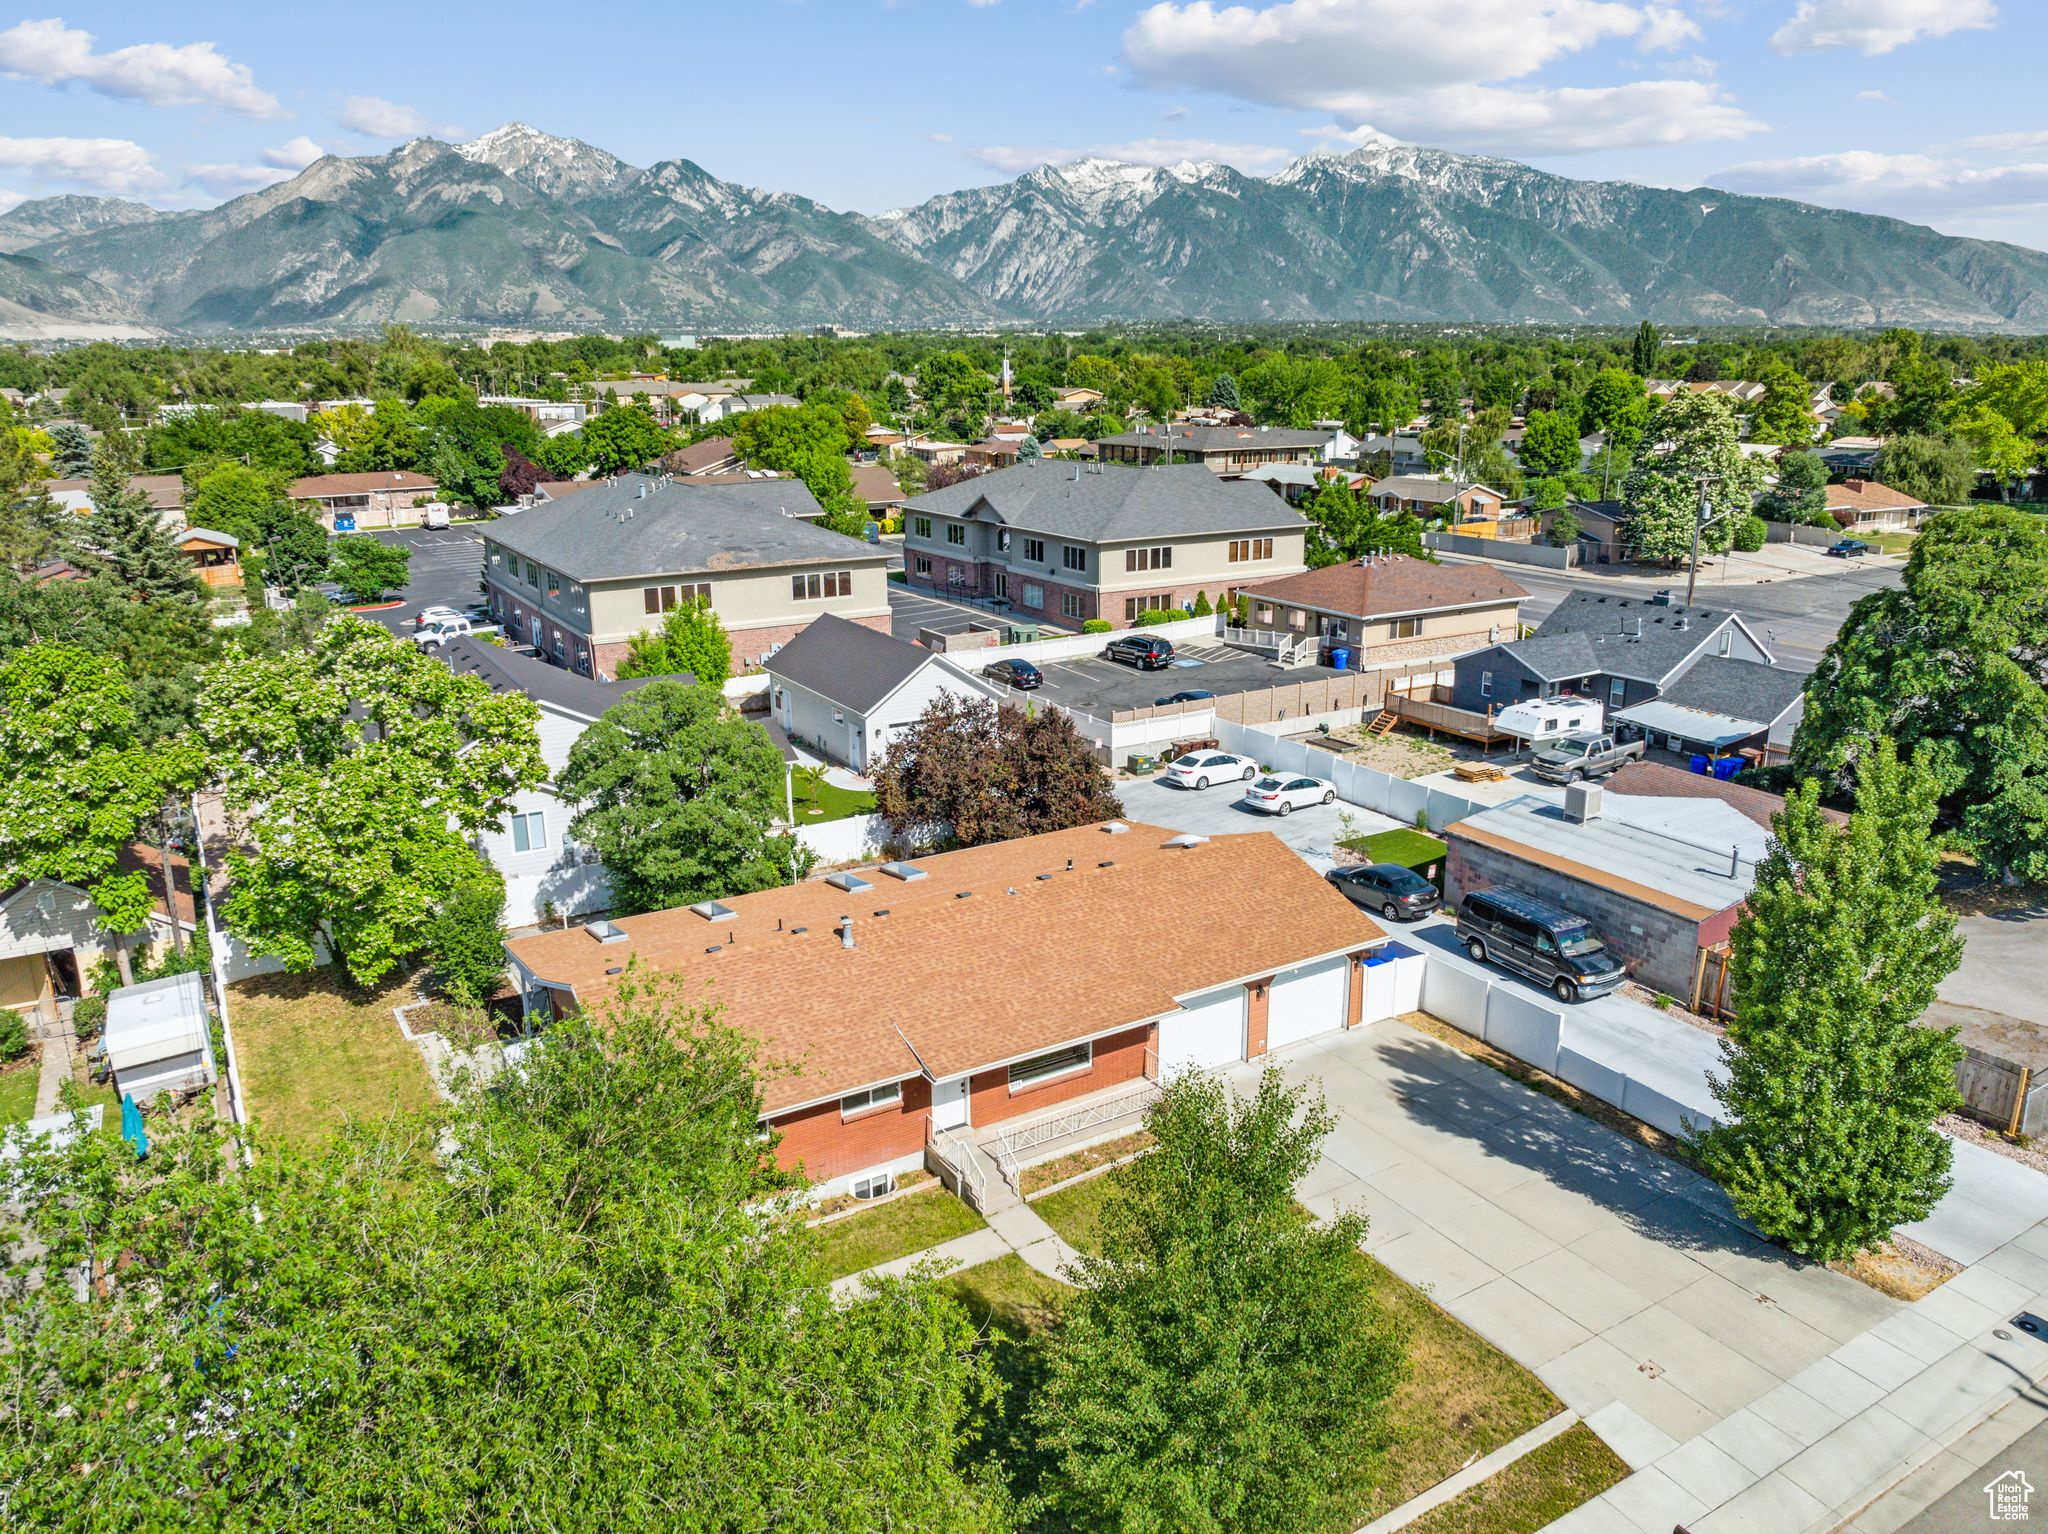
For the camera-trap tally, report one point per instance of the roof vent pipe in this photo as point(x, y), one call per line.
point(846, 932)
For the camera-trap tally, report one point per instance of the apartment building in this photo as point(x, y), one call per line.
point(1222, 450)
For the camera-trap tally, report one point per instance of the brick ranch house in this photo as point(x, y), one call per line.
point(884, 1039)
point(1067, 542)
point(578, 578)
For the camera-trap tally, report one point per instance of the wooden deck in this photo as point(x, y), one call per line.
point(1461, 722)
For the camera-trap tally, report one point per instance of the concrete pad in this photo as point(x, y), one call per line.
point(1831, 1304)
point(1753, 1326)
point(1422, 1257)
point(1957, 1314)
point(1680, 1222)
point(1796, 1414)
point(1596, 1372)
point(1326, 1177)
point(1587, 1294)
point(1052, 1257)
point(1753, 1441)
point(1854, 1455)
point(1702, 1366)
point(1650, 1268)
point(1650, 1499)
point(2006, 1295)
point(1878, 1361)
point(1019, 1225)
point(1424, 1190)
point(1505, 1313)
point(1622, 1428)
point(1836, 1386)
point(1559, 1213)
point(1706, 1470)
point(1945, 1393)
point(1359, 1150)
point(1774, 1505)
point(1991, 1199)
point(1596, 1517)
point(1915, 1335)
point(1489, 1232)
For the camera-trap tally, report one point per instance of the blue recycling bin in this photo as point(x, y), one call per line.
point(1727, 767)
point(1700, 765)
point(1340, 657)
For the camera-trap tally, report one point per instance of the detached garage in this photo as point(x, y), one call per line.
point(159, 1037)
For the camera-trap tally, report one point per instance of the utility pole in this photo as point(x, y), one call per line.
point(1699, 526)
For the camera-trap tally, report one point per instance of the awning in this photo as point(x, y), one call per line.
point(1715, 730)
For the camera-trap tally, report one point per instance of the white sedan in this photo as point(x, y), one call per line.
point(1284, 793)
point(435, 614)
point(1198, 769)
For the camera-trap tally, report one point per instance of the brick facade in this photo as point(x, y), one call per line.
point(976, 580)
point(826, 1146)
point(1118, 1058)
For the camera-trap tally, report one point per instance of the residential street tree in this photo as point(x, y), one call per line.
point(1951, 666)
point(1616, 405)
point(78, 780)
point(1832, 1086)
point(678, 793)
point(1936, 470)
point(1225, 1365)
point(987, 772)
point(365, 567)
point(1785, 413)
point(1800, 495)
point(360, 767)
point(1690, 438)
point(624, 438)
point(413, 1336)
point(1550, 445)
point(691, 641)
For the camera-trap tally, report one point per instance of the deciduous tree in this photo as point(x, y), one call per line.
point(1832, 1085)
point(1800, 494)
point(624, 437)
point(1936, 470)
point(1645, 351)
point(365, 567)
point(691, 641)
point(1692, 438)
point(1550, 445)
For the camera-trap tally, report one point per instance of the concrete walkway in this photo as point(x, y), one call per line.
point(58, 1042)
point(1013, 1226)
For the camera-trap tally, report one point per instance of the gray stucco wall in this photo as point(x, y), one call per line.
point(1661, 950)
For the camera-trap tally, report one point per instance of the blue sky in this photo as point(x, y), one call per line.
point(1925, 109)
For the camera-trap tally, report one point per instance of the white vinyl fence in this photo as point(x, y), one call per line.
point(1396, 798)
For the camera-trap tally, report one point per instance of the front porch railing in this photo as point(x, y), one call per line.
point(1010, 1149)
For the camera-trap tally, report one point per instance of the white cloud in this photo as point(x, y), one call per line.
point(161, 74)
point(2033, 138)
point(293, 154)
point(1174, 115)
point(374, 117)
point(233, 180)
point(1145, 151)
point(11, 199)
point(1877, 26)
point(1442, 73)
point(117, 166)
point(940, 138)
point(1915, 186)
point(1874, 96)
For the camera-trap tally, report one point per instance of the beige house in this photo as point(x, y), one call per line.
point(358, 502)
point(1392, 607)
point(51, 936)
point(578, 579)
point(1222, 450)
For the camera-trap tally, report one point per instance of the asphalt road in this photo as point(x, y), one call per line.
point(1966, 1507)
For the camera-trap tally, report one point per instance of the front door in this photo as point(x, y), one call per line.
point(949, 1104)
point(999, 585)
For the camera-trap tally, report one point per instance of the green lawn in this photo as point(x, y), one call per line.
point(1007, 1296)
point(1541, 1486)
point(1462, 1397)
point(1408, 849)
point(818, 803)
point(314, 1052)
point(18, 1089)
point(897, 1229)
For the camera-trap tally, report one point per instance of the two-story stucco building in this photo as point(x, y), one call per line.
point(579, 578)
point(1067, 542)
point(1222, 450)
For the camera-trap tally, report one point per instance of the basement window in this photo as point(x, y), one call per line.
point(856, 1103)
point(1058, 1062)
point(865, 1188)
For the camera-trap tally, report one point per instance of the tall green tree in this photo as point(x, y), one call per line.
point(467, 937)
point(366, 567)
point(691, 641)
point(1693, 438)
point(1785, 413)
point(70, 451)
point(596, 1313)
point(1550, 445)
point(1225, 1366)
point(1223, 393)
point(982, 771)
point(624, 438)
point(1616, 405)
point(1799, 495)
point(678, 792)
point(360, 768)
point(1645, 351)
point(1832, 1089)
point(126, 541)
point(33, 528)
point(78, 781)
point(1936, 470)
point(1950, 665)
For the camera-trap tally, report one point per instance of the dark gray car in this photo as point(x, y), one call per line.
point(1397, 893)
point(1545, 943)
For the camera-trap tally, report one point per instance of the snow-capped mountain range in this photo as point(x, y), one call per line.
point(521, 228)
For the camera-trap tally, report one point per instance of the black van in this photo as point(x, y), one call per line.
point(1542, 941)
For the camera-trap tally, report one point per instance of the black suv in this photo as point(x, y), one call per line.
point(1397, 893)
point(1550, 945)
point(1145, 651)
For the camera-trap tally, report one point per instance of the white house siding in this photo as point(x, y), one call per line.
point(1307, 1001)
point(561, 873)
point(859, 739)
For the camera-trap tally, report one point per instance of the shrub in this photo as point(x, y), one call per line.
point(13, 1035)
point(467, 938)
point(1202, 607)
point(1095, 626)
point(1155, 617)
point(1750, 533)
point(88, 1016)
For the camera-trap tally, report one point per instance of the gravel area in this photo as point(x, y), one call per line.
point(1991, 1140)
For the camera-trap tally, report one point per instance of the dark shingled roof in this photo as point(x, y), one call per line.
point(1736, 689)
point(1608, 623)
point(1113, 502)
point(506, 670)
point(1555, 657)
point(677, 527)
point(847, 663)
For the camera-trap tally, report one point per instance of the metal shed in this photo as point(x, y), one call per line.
point(159, 1037)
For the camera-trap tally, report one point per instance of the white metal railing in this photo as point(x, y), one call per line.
point(1288, 648)
point(1009, 1147)
point(956, 1153)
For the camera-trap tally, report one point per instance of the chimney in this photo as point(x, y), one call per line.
point(1581, 803)
point(846, 931)
point(1854, 486)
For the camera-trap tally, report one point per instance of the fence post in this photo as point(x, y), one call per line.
point(2019, 1100)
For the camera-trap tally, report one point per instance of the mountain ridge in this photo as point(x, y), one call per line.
point(520, 228)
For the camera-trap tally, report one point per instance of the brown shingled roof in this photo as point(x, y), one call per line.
point(1660, 780)
point(1397, 584)
point(945, 985)
point(1869, 495)
point(316, 486)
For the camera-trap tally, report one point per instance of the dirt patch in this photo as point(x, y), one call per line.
point(1671, 1008)
point(1901, 1268)
point(1397, 755)
point(1075, 1163)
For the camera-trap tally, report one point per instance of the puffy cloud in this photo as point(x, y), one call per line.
point(374, 117)
point(11, 199)
point(233, 180)
point(1914, 186)
point(1877, 26)
point(293, 154)
point(1146, 151)
point(1444, 73)
point(162, 74)
point(117, 166)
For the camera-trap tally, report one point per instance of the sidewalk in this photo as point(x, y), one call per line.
point(1013, 1226)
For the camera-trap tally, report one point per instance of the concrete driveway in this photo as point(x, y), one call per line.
point(1216, 811)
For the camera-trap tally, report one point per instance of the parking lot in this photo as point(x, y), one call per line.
point(1312, 831)
point(912, 611)
point(447, 567)
point(1091, 685)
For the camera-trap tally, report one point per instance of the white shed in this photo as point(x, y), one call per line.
point(159, 1037)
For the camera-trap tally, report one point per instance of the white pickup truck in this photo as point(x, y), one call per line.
point(433, 635)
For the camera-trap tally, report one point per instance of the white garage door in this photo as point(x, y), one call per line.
point(1307, 1001)
point(1205, 1032)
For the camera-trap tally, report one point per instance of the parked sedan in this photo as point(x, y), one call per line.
point(1397, 893)
point(1020, 674)
point(1191, 695)
point(1848, 548)
point(1283, 794)
point(436, 614)
point(1198, 769)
